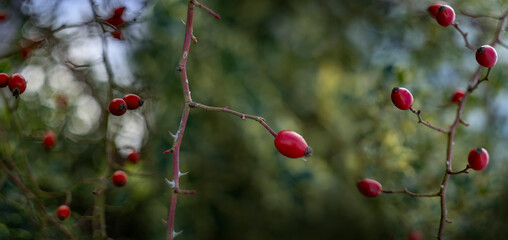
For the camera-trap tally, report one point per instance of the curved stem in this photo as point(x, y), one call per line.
point(243, 116)
point(412, 194)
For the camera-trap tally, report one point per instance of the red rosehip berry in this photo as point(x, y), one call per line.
point(3, 15)
point(119, 12)
point(119, 178)
point(415, 235)
point(117, 107)
point(116, 20)
point(26, 53)
point(369, 187)
point(432, 9)
point(445, 15)
point(17, 84)
point(4, 80)
point(478, 159)
point(49, 140)
point(133, 156)
point(402, 98)
point(133, 101)
point(63, 212)
point(292, 145)
point(118, 35)
point(458, 95)
point(486, 56)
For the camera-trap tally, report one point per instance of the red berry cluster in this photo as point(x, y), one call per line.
point(119, 106)
point(486, 56)
point(16, 83)
point(443, 13)
point(117, 21)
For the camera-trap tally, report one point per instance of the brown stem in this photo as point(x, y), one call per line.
point(462, 171)
point(464, 35)
point(412, 194)
point(99, 215)
point(241, 115)
point(206, 9)
point(182, 67)
point(420, 120)
point(465, 13)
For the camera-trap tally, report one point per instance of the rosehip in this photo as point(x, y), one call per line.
point(17, 84)
point(432, 9)
point(4, 80)
point(478, 158)
point(292, 145)
point(402, 98)
point(118, 35)
point(49, 140)
point(63, 212)
point(133, 156)
point(26, 53)
point(486, 56)
point(445, 15)
point(3, 15)
point(415, 235)
point(119, 178)
point(133, 101)
point(458, 95)
point(117, 107)
point(116, 20)
point(369, 187)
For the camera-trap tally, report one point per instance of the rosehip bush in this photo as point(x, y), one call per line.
point(217, 95)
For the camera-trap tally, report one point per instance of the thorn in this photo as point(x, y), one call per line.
point(466, 171)
point(164, 221)
point(183, 22)
point(167, 151)
point(171, 183)
point(175, 234)
point(226, 107)
point(243, 116)
point(175, 136)
point(182, 174)
point(194, 39)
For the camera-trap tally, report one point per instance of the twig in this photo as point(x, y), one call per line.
point(462, 171)
point(243, 116)
point(182, 67)
point(206, 9)
point(465, 13)
point(412, 194)
point(420, 120)
point(464, 35)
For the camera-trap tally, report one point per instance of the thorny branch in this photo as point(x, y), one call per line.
point(474, 82)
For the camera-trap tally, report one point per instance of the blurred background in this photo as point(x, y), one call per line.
point(323, 68)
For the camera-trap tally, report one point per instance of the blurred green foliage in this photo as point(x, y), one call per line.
point(322, 68)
